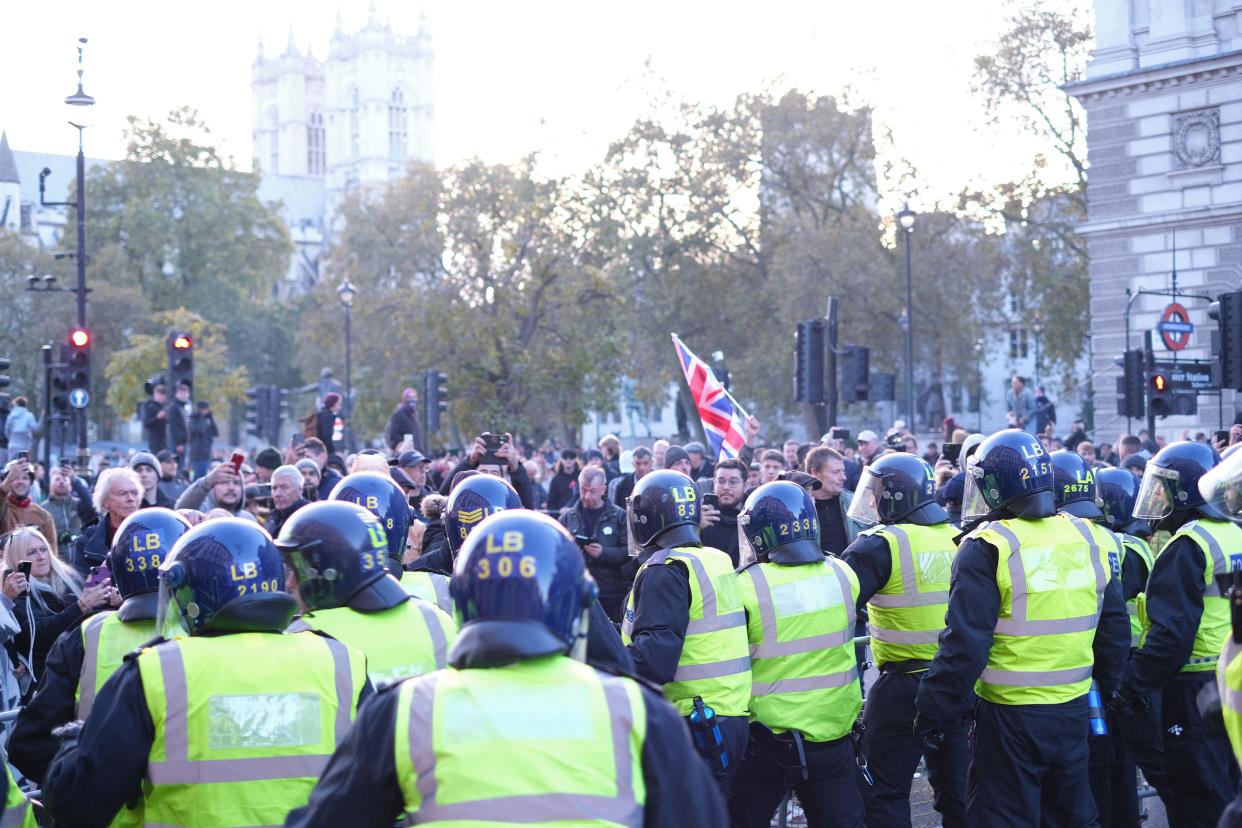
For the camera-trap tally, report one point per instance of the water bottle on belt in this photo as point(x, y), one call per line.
point(1095, 711)
point(706, 730)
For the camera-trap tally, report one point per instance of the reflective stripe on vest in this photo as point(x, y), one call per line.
point(104, 651)
point(801, 628)
point(429, 708)
point(397, 644)
point(430, 586)
point(906, 616)
point(1043, 660)
point(1212, 537)
point(715, 660)
point(18, 812)
point(178, 769)
point(1229, 680)
point(1137, 546)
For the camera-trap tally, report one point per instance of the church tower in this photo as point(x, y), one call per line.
point(287, 94)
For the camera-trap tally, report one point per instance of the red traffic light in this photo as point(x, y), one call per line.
point(80, 337)
point(1158, 382)
point(182, 342)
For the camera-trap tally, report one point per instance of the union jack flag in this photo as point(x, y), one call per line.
point(722, 417)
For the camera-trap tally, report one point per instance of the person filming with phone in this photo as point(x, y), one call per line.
point(719, 510)
point(221, 488)
point(52, 597)
point(599, 529)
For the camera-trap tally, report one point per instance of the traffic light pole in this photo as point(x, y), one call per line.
point(1149, 363)
point(48, 419)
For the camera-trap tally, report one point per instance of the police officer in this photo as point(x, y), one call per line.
point(335, 552)
point(684, 622)
point(18, 812)
point(1034, 614)
point(1077, 495)
point(518, 729)
point(83, 658)
point(805, 695)
point(379, 495)
point(1188, 621)
point(230, 722)
point(471, 500)
point(903, 563)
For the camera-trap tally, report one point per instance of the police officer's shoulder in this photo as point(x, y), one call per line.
point(745, 567)
point(872, 531)
point(617, 672)
point(137, 651)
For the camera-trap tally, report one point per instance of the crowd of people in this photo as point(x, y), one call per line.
point(993, 575)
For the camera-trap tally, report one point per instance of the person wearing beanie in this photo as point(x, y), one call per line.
point(677, 459)
point(325, 420)
point(172, 484)
point(267, 461)
point(148, 470)
point(403, 421)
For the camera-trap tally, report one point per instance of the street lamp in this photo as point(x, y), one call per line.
point(1037, 328)
point(978, 386)
point(346, 293)
point(78, 98)
point(905, 219)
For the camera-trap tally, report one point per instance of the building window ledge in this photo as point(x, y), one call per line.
point(1197, 176)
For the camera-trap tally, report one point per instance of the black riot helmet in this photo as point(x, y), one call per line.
point(1118, 489)
point(379, 495)
point(778, 524)
point(223, 575)
point(1010, 475)
point(1171, 482)
point(474, 498)
point(1074, 485)
point(897, 488)
point(663, 512)
point(140, 545)
point(336, 550)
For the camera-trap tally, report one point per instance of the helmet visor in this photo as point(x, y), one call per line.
point(865, 507)
point(746, 554)
point(974, 506)
point(1221, 486)
point(1155, 497)
point(170, 621)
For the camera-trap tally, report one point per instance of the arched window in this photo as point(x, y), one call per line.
point(315, 159)
point(397, 135)
point(355, 102)
point(273, 124)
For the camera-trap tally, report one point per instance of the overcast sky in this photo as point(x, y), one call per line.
point(563, 78)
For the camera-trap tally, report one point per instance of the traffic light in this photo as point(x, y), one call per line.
point(1130, 396)
point(1165, 400)
point(809, 350)
point(1227, 310)
point(80, 359)
point(180, 347)
point(61, 383)
point(855, 374)
point(882, 387)
point(435, 399)
point(258, 401)
point(5, 381)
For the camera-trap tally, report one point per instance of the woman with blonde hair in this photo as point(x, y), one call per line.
point(54, 599)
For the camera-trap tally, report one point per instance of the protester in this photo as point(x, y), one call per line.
point(287, 498)
point(146, 467)
point(563, 488)
point(718, 517)
point(17, 507)
point(203, 432)
point(325, 420)
point(599, 529)
point(403, 425)
point(62, 505)
point(171, 483)
point(179, 410)
point(222, 488)
point(20, 427)
point(117, 495)
point(832, 502)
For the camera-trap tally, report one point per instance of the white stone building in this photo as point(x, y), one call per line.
point(1163, 97)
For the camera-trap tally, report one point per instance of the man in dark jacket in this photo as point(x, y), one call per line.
point(643, 462)
point(286, 497)
point(562, 489)
point(315, 450)
point(203, 432)
point(154, 416)
point(178, 420)
point(504, 464)
point(599, 528)
point(718, 521)
point(148, 470)
point(403, 421)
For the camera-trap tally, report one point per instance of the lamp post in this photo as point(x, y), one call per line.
point(905, 219)
point(979, 386)
point(346, 293)
point(1037, 328)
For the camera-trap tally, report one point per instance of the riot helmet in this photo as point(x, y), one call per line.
point(139, 547)
point(520, 590)
point(663, 512)
point(1074, 485)
point(1117, 490)
point(379, 495)
point(223, 575)
point(778, 525)
point(1010, 475)
point(1221, 487)
point(897, 488)
point(1171, 481)
point(336, 550)
point(473, 499)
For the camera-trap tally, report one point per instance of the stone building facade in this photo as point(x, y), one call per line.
point(1163, 99)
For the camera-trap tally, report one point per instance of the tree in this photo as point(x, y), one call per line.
point(215, 378)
